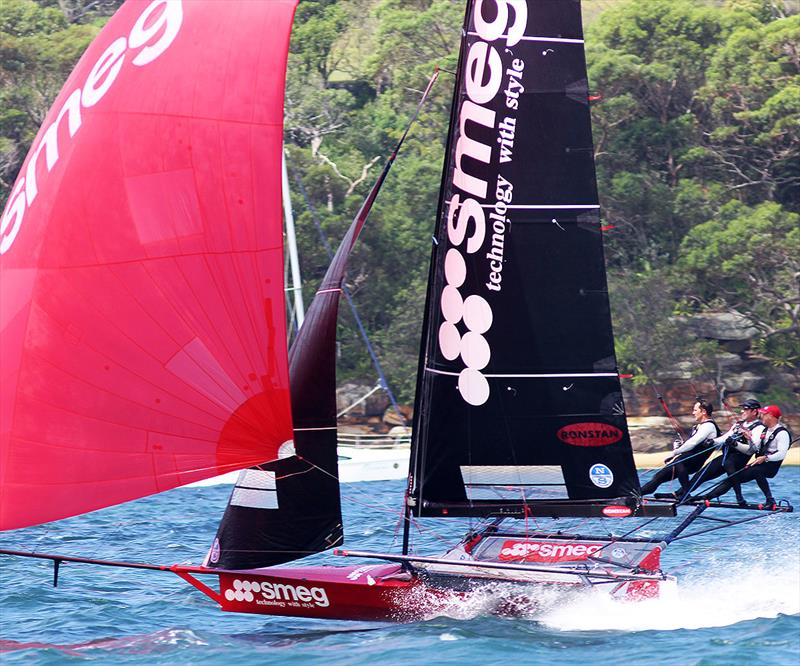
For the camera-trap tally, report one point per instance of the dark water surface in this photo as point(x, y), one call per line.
point(737, 602)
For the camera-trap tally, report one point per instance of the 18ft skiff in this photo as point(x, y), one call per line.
point(144, 342)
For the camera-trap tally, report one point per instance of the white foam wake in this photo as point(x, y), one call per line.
point(756, 585)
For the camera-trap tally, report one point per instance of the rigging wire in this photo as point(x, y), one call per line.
point(371, 503)
point(384, 384)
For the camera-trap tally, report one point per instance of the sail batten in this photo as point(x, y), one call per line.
point(530, 375)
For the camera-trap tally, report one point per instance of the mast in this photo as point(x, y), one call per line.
point(291, 245)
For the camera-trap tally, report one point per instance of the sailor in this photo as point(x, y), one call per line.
point(770, 445)
point(689, 456)
point(736, 450)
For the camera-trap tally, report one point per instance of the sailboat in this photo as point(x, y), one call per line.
point(144, 342)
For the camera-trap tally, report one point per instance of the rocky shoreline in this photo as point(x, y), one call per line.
point(740, 374)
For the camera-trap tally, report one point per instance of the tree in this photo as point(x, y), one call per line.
point(648, 60)
point(748, 260)
point(645, 330)
point(753, 101)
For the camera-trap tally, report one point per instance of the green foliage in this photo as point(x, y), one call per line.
point(649, 340)
point(38, 49)
point(752, 97)
point(697, 145)
point(749, 258)
point(648, 60)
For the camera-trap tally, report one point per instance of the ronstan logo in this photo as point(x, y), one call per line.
point(617, 511)
point(589, 434)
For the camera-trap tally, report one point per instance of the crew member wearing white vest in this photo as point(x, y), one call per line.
point(770, 444)
point(736, 452)
point(689, 456)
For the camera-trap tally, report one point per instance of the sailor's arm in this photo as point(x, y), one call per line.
point(704, 431)
point(754, 437)
point(720, 441)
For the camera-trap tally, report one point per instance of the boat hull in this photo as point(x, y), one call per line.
point(385, 592)
point(371, 592)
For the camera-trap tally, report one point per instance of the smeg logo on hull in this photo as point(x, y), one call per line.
point(589, 434)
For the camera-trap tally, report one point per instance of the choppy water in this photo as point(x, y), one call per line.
point(738, 600)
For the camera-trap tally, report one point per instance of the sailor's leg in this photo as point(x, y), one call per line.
point(662, 475)
point(743, 476)
point(682, 472)
point(710, 471)
point(732, 465)
point(766, 471)
point(737, 490)
point(762, 482)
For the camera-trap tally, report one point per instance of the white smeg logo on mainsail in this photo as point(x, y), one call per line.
point(154, 30)
point(476, 314)
point(483, 77)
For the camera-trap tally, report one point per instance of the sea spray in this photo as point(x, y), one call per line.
point(746, 581)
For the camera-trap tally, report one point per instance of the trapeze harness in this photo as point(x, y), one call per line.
point(688, 459)
point(732, 459)
point(775, 450)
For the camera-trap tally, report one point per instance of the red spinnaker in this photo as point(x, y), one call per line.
point(142, 321)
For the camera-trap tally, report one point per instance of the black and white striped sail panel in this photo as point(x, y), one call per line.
point(518, 394)
point(289, 508)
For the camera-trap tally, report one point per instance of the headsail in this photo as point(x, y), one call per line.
point(286, 509)
point(142, 304)
point(289, 508)
point(518, 396)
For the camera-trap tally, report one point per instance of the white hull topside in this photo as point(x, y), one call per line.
point(356, 463)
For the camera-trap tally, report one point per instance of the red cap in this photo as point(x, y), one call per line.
point(771, 409)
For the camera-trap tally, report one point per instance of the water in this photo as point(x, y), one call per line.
point(738, 600)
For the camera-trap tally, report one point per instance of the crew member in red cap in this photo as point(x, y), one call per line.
point(770, 447)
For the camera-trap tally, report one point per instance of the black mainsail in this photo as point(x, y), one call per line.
point(518, 402)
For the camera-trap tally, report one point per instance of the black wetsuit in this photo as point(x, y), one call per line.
point(685, 463)
point(730, 462)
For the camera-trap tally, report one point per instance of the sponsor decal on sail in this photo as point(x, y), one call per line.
point(589, 434)
point(265, 593)
point(151, 34)
point(466, 218)
point(545, 552)
point(601, 475)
